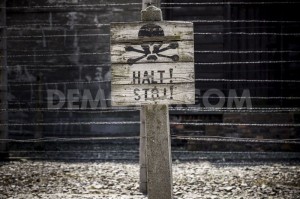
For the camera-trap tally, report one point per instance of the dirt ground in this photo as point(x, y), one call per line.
point(119, 180)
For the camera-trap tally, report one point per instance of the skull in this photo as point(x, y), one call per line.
point(151, 51)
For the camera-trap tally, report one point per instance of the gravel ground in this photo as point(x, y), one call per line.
point(116, 180)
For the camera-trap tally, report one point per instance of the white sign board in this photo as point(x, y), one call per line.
point(152, 63)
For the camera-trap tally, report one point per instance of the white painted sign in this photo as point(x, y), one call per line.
point(152, 63)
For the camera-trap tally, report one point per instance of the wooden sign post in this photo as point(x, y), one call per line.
point(153, 66)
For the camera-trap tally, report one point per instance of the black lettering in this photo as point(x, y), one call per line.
point(155, 92)
point(146, 92)
point(165, 92)
point(171, 75)
point(171, 92)
point(136, 90)
point(146, 77)
point(161, 75)
point(136, 77)
point(152, 78)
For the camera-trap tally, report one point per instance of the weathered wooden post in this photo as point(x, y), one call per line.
point(3, 80)
point(142, 159)
point(153, 66)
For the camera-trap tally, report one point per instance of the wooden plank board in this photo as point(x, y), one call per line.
point(152, 63)
point(129, 32)
point(124, 95)
point(123, 53)
point(153, 73)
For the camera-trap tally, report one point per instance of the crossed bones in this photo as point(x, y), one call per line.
point(152, 55)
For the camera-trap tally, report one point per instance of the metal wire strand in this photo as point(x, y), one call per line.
point(85, 6)
point(203, 109)
point(132, 109)
point(93, 6)
point(235, 110)
point(95, 100)
point(248, 33)
point(234, 124)
point(71, 123)
point(202, 138)
point(244, 21)
point(248, 62)
point(56, 55)
point(231, 3)
point(235, 139)
point(58, 139)
point(46, 26)
point(57, 83)
point(248, 80)
point(138, 122)
point(18, 84)
point(53, 36)
point(197, 33)
point(245, 51)
point(56, 66)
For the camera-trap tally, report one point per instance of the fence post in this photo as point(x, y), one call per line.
point(161, 73)
point(159, 161)
point(158, 144)
point(3, 81)
point(146, 3)
point(143, 162)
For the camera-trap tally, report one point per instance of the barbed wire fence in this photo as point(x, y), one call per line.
point(14, 58)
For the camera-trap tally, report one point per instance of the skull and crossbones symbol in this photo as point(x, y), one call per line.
point(152, 50)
